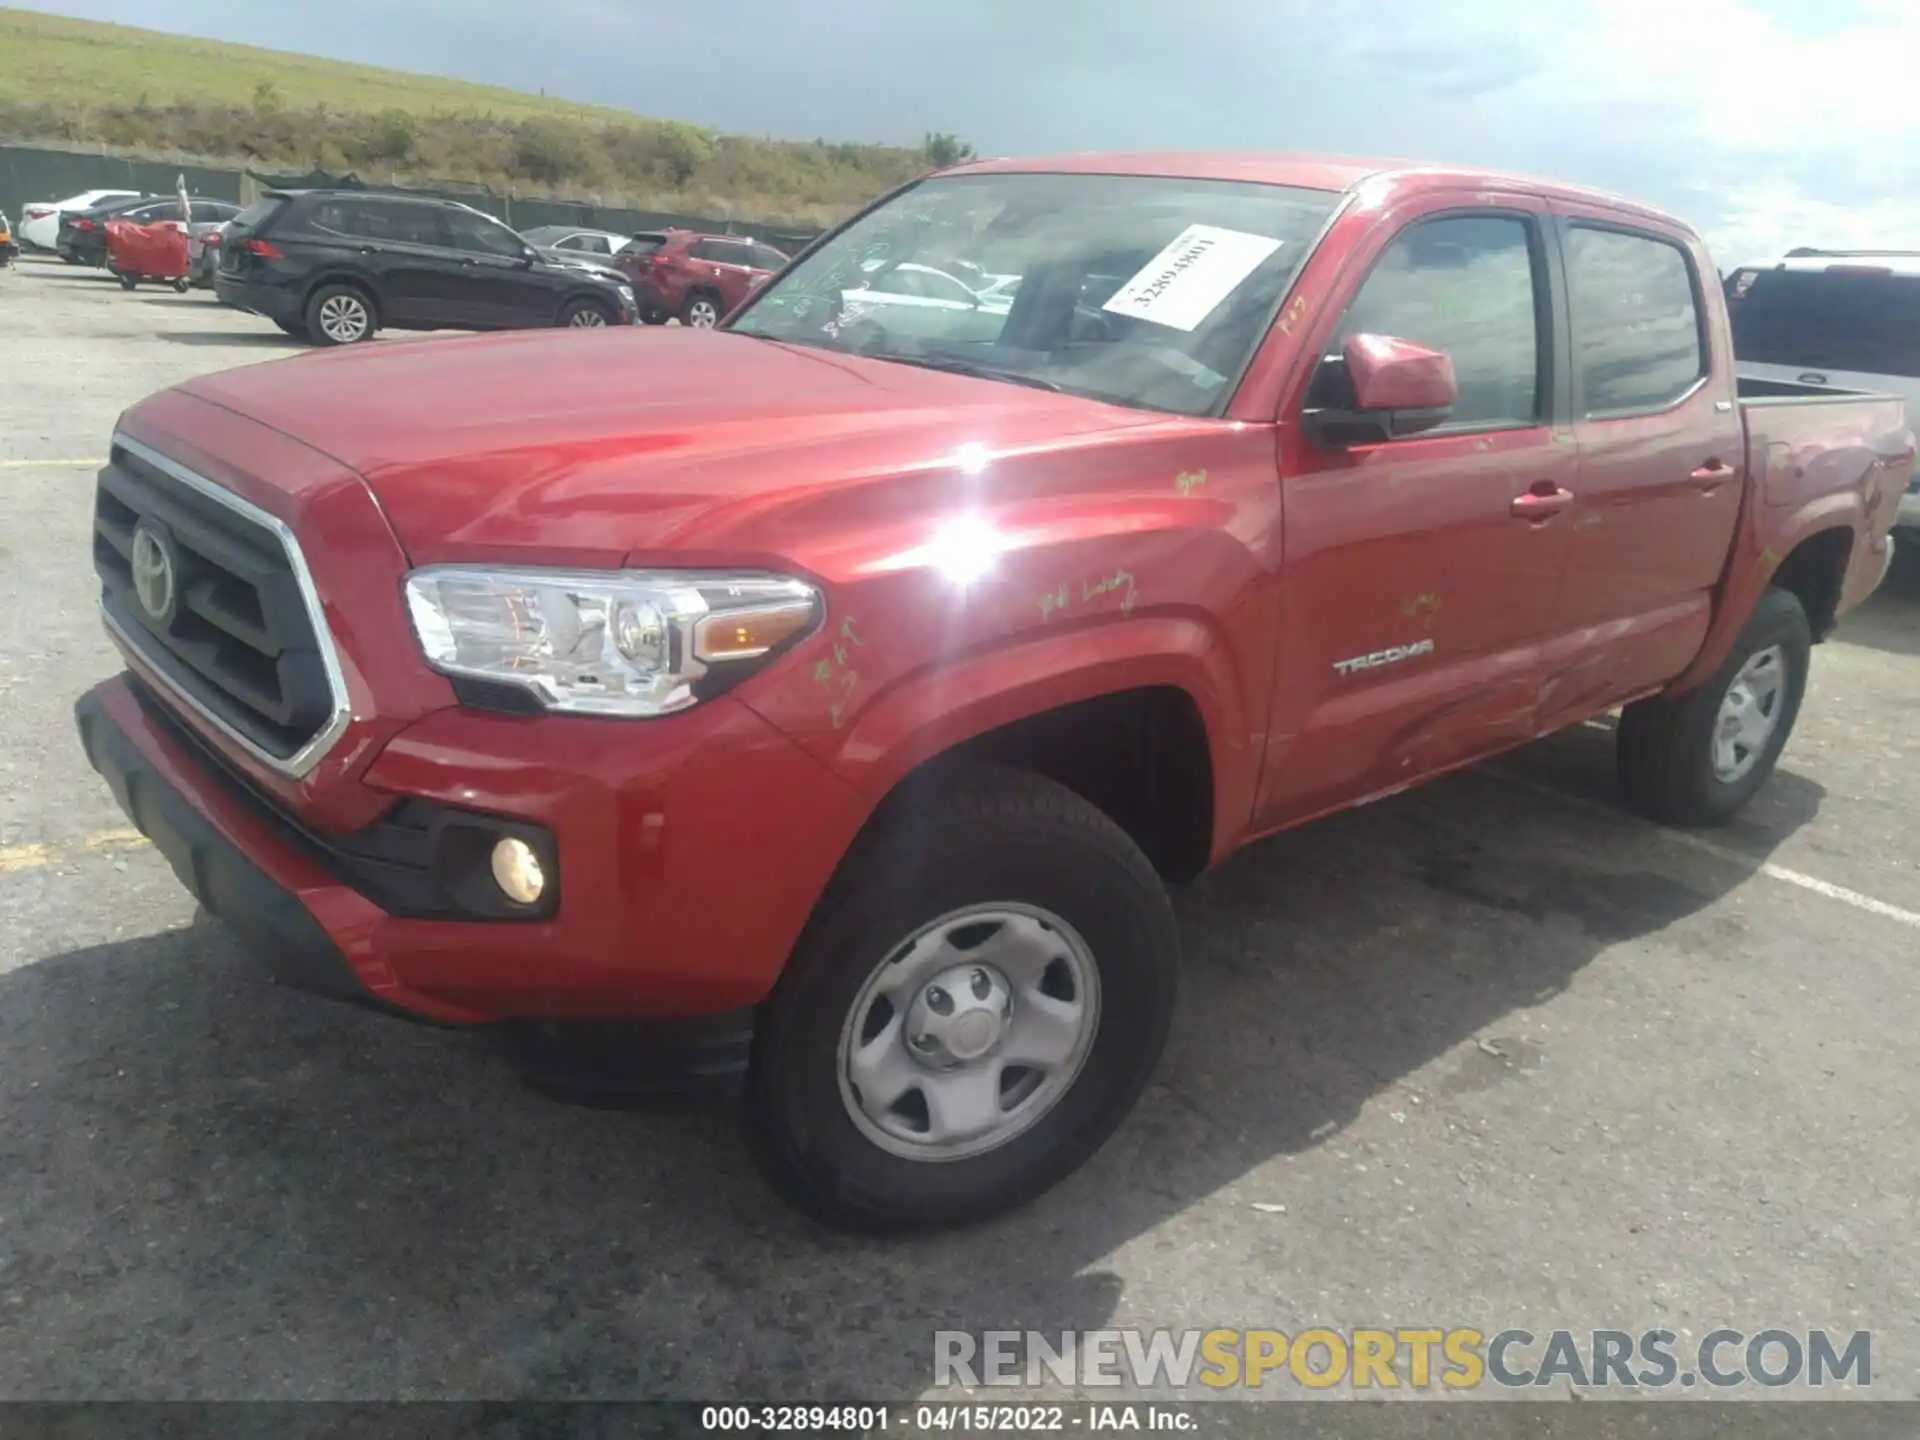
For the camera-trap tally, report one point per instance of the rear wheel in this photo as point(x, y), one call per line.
point(180, 285)
point(1697, 758)
point(339, 315)
point(702, 310)
point(127, 281)
point(973, 1011)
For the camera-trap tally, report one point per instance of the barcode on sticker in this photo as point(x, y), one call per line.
point(1186, 282)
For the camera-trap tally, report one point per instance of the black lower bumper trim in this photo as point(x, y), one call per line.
point(278, 928)
point(614, 1064)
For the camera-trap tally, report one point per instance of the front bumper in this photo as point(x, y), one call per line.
point(688, 857)
point(210, 863)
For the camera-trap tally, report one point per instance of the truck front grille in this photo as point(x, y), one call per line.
point(207, 591)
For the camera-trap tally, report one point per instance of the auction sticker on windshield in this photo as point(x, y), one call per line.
point(1186, 282)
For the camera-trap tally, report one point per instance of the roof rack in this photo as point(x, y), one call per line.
point(1802, 252)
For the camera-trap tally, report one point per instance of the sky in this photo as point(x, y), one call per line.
point(1766, 123)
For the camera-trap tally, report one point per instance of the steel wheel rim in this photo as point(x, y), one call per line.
point(1749, 714)
point(586, 318)
point(1005, 1053)
point(343, 318)
point(701, 315)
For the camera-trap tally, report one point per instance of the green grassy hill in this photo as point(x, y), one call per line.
point(66, 81)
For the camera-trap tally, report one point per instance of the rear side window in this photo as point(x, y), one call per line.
point(721, 252)
point(394, 221)
point(765, 257)
point(1465, 284)
point(1636, 321)
point(1827, 319)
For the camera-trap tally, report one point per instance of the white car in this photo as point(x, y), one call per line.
point(1840, 320)
point(40, 220)
point(923, 303)
point(571, 242)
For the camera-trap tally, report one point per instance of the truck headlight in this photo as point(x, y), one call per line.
point(610, 642)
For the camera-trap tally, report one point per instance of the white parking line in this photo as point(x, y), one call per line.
point(92, 463)
point(1730, 856)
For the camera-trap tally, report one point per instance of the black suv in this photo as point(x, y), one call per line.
point(337, 265)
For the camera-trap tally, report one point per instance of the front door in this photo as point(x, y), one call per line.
point(1662, 461)
point(497, 286)
point(1421, 574)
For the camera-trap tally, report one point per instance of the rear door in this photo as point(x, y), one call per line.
point(397, 244)
point(1662, 459)
point(1419, 584)
point(727, 266)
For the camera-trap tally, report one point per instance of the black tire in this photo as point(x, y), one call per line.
point(127, 281)
point(1666, 743)
point(979, 835)
point(573, 312)
point(69, 257)
point(701, 311)
point(180, 285)
point(327, 309)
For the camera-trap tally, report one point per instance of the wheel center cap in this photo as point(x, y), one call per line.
point(973, 1034)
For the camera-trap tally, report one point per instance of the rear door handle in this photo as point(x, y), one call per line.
point(1542, 502)
point(1712, 475)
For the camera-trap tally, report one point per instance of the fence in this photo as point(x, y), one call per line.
point(39, 174)
point(27, 174)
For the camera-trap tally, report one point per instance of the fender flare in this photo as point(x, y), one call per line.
point(1751, 568)
point(929, 712)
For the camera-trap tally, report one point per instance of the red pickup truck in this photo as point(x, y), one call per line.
point(840, 699)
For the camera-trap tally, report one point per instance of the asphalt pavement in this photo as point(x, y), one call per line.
point(1492, 1053)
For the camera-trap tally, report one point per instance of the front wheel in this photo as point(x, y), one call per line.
point(973, 1011)
point(180, 285)
point(1697, 758)
point(584, 315)
point(127, 280)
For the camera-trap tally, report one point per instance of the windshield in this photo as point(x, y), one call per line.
point(1138, 290)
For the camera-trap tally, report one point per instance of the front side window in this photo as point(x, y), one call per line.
point(1636, 324)
point(471, 231)
point(1140, 290)
point(1465, 284)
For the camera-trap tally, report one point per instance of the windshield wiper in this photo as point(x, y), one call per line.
point(953, 365)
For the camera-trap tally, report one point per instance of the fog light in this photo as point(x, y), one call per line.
point(516, 870)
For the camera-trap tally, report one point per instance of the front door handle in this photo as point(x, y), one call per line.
point(1542, 502)
point(1712, 475)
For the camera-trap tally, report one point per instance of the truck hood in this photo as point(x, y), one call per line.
point(595, 446)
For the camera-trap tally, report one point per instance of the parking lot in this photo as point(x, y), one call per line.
point(1491, 1053)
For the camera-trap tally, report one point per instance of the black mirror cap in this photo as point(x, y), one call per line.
point(1344, 429)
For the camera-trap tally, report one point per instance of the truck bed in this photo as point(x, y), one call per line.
point(1811, 451)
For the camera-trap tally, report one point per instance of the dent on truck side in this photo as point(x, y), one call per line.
point(1134, 562)
point(1834, 468)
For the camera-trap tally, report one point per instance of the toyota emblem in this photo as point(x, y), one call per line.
point(155, 584)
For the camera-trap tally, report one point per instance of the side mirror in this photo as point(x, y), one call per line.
point(1378, 388)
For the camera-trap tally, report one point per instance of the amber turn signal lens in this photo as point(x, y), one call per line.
point(748, 634)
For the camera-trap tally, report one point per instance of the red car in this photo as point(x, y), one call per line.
point(700, 278)
point(837, 691)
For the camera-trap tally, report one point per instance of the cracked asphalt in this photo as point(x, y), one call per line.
point(1491, 1053)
